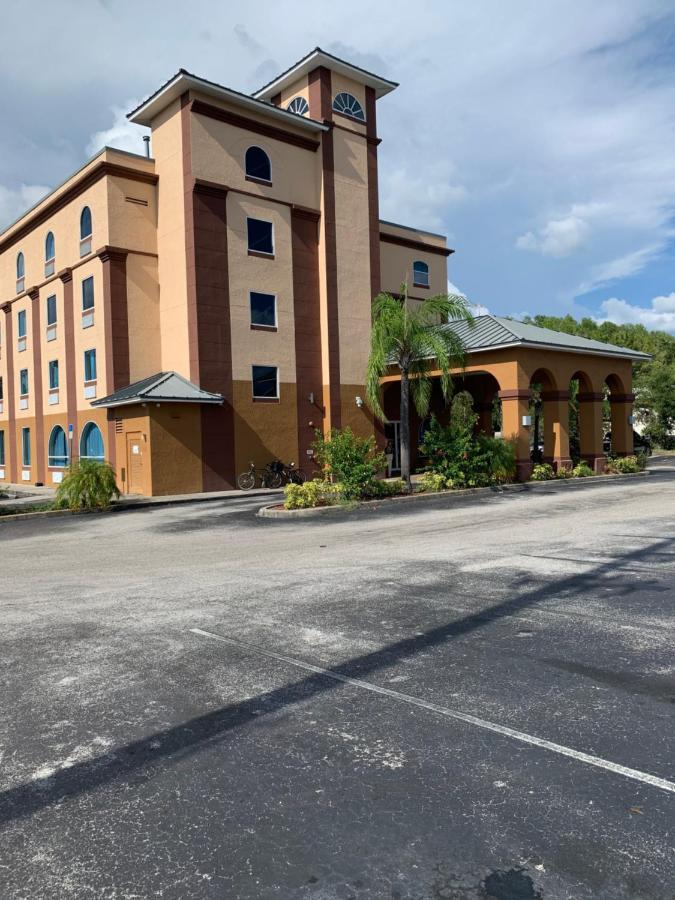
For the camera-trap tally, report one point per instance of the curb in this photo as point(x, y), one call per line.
point(269, 512)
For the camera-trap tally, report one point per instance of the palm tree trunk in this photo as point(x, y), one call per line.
point(405, 428)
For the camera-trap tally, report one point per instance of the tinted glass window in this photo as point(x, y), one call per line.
point(258, 164)
point(58, 448)
point(54, 374)
point(2, 448)
point(21, 319)
point(263, 309)
point(260, 236)
point(90, 365)
point(421, 273)
point(51, 310)
point(265, 381)
point(85, 223)
point(91, 442)
point(88, 293)
point(23, 382)
point(25, 446)
point(49, 247)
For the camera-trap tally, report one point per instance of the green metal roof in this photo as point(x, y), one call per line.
point(164, 387)
point(494, 332)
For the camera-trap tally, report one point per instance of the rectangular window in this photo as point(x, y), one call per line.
point(2, 448)
point(2, 390)
point(88, 293)
point(51, 310)
point(53, 374)
point(260, 236)
point(21, 323)
point(263, 309)
point(266, 382)
point(90, 365)
point(25, 446)
point(23, 382)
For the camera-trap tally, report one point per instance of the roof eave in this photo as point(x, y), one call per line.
point(381, 86)
point(136, 401)
point(184, 81)
point(533, 345)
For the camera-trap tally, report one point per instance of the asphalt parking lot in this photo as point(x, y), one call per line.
point(448, 699)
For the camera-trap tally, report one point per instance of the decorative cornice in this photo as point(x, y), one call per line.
point(414, 245)
point(209, 188)
point(65, 275)
point(590, 397)
point(201, 108)
point(555, 395)
point(515, 394)
point(621, 398)
point(94, 175)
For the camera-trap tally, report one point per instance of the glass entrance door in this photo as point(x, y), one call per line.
point(392, 432)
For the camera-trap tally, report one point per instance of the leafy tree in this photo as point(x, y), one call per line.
point(89, 484)
point(352, 461)
point(411, 339)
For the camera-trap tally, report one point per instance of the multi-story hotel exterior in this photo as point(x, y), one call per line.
point(183, 313)
point(243, 256)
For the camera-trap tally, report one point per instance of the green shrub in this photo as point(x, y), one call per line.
point(543, 472)
point(564, 472)
point(352, 462)
point(89, 484)
point(582, 470)
point(432, 481)
point(623, 465)
point(310, 494)
point(388, 488)
point(463, 458)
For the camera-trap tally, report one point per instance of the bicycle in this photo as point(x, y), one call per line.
point(267, 477)
point(291, 475)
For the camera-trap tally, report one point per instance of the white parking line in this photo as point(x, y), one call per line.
point(560, 749)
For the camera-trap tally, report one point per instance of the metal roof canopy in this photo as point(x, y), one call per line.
point(495, 333)
point(183, 81)
point(319, 57)
point(164, 387)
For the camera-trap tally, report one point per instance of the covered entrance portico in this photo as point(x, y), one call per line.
point(508, 362)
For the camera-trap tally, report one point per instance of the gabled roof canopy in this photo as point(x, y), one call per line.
point(318, 57)
point(164, 387)
point(184, 81)
point(494, 333)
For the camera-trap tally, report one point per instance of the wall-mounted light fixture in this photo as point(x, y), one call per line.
point(311, 397)
point(527, 421)
point(359, 401)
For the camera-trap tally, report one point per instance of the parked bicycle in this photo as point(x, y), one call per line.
point(273, 475)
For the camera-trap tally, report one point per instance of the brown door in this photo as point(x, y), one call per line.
point(135, 475)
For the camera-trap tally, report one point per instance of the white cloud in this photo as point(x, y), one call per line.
point(421, 200)
point(659, 315)
point(15, 202)
point(558, 238)
point(621, 267)
point(122, 134)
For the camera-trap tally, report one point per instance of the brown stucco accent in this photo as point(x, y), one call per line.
point(590, 397)
point(66, 277)
point(116, 329)
point(276, 99)
point(78, 187)
point(38, 436)
point(354, 121)
point(260, 254)
point(373, 194)
point(555, 395)
point(414, 245)
point(320, 107)
point(307, 321)
point(188, 188)
point(516, 394)
point(376, 141)
point(10, 387)
point(209, 276)
point(199, 107)
point(621, 398)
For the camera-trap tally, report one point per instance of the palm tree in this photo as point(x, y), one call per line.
point(413, 340)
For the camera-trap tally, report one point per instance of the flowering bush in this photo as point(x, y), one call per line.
point(625, 465)
point(310, 494)
point(543, 472)
point(352, 462)
point(582, 470)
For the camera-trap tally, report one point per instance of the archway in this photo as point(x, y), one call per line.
point(620, 434)
point(550, 409)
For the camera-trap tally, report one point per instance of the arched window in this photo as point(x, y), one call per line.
point(91, 443)
point(348, 105)
point(85, 231)
point(420, 274)
point(258, 164)
point(50, 253)
point(299, 106)
point(58, 448)
point(85, 223)
point(20, 272)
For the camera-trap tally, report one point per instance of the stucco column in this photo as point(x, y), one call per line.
point(515, 405)
point(11, 453)
point(622, 426)
point(39, 449)
point(557, 429)
point(590, 430)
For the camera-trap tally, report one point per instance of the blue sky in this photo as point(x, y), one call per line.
point(539, 136)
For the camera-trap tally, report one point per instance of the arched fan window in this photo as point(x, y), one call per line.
point(299, 106)
point(258, 164)
point(348, 105)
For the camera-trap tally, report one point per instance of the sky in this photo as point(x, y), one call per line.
point(539, 136)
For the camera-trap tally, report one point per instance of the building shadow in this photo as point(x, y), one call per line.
point(138, 760)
